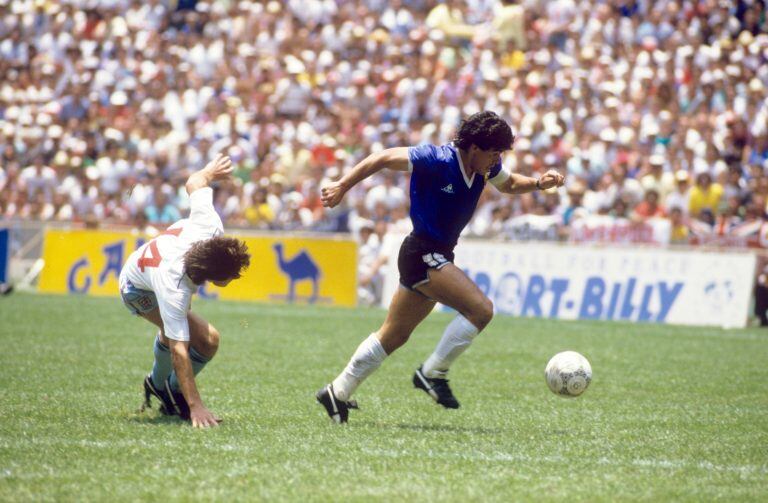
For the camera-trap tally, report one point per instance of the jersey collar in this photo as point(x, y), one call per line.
point(467, 180)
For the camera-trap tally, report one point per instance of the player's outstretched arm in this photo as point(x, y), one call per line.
point(520, 184)
point(218, 169)
point(198, 414)
point(391, 158)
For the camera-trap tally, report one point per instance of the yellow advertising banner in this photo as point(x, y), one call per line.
point(283, 269)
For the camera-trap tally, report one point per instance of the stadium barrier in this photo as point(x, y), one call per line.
point(685, 287)
point(315, 270)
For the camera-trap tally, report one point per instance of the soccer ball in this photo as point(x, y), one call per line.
point(568, 374)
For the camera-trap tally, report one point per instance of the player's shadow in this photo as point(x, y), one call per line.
point(443, 428)
point(155, 419)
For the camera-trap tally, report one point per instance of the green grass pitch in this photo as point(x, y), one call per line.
point(673, 413)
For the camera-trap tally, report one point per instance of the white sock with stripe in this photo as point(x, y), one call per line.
point(457, 337)
point(364, 361)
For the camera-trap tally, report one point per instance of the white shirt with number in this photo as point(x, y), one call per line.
point(158, 265)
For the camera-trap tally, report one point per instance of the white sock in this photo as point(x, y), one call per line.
point(367, 358)
point(457, 337)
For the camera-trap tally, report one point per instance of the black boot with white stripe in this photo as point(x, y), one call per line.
point(150, 390)
point(437, 388)
point(338, 410)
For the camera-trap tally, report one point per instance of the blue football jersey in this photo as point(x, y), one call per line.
point(443, 198)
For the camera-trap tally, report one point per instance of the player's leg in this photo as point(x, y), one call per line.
point(406, 311)
point(162, 366)
point(162, 381)
point(203, 344)
point(144, 303)
point(450, 286)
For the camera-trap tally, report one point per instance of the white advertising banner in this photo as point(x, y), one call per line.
point(598, 283)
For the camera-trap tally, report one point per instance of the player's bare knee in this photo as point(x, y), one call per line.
point(482, 314)
point(213, 340)
point(209, 343)
point(487, 311)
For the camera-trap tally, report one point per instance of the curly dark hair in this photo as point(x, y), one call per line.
point(217, 259)
point(486, 130)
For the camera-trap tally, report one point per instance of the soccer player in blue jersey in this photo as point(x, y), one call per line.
point(446, 183)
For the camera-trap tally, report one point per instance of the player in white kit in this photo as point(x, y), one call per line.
point(157, 283)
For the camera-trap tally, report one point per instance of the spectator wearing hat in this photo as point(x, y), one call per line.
point(292, 94)
point(656, 178)
point(680, 197)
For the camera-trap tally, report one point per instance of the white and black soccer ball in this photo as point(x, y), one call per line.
point(568, 374)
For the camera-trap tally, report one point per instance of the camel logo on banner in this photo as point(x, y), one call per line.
point(298, 268)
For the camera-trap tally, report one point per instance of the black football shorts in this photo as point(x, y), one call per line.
point(417, 256)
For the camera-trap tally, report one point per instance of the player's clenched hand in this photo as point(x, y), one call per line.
point(202, 417)
point(220, 167)
point(332, 193)
point(551, 179)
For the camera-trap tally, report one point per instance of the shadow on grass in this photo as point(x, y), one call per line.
point(155, 419)
point(443, 428)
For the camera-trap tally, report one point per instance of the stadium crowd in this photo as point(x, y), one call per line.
point(654, 109)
